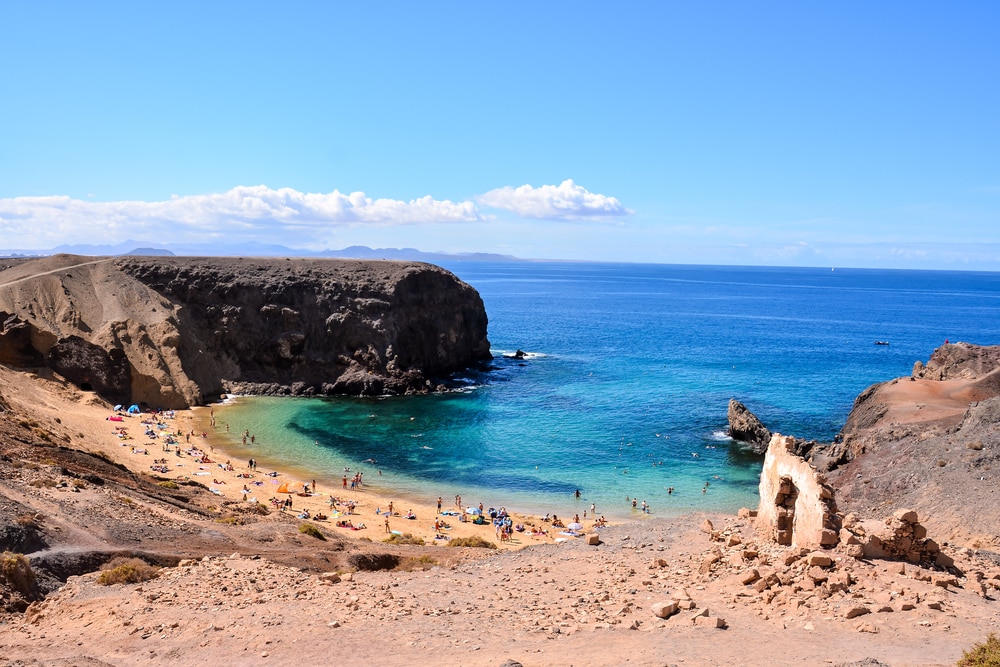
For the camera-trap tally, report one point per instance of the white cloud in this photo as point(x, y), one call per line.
point(264, 214)
point(247, 210)
point(566, 201)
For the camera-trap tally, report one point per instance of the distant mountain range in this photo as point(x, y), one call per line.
point(131, 247)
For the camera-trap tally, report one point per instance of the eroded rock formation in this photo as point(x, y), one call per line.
point(796, 504)
point(174, 332)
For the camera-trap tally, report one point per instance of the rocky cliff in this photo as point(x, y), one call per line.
point(174, 332)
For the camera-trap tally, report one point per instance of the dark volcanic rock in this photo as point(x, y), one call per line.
point(176, 331)
point(745, 427)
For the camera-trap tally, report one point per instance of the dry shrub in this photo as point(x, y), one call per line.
point(27, 521)
point(126, 571)
point(16, 572)
point(168, 484)
point(986, 654)
point(44, 482)
point(312, 531)
point(258, 508)
point(423, 563)
point(405, 538)
point(230, 521)
point(41, 434)
point(79, 484)
point(473, 541)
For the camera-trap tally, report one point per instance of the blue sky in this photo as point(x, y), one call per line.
point(842, 134)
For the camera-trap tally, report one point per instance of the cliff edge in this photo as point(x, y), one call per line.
point(176, 331)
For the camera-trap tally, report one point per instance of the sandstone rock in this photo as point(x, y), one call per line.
point(707, 526)
point(749, 577)
point(854, 611)
point(905, 515)
point(819, 559)
point(817, 575)
point(710, 621)
point(330, 577)
point(664, 609)
point(593, 539)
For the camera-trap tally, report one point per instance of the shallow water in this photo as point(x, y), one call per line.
point(629, 374)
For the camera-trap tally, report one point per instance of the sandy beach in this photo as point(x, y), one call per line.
point(193, 445)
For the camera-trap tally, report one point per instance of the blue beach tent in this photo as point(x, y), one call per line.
point(134, 409)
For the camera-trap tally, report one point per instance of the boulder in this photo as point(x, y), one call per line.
point(746, 427)
point(664, 609)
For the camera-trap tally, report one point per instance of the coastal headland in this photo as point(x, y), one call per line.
point(81, 483)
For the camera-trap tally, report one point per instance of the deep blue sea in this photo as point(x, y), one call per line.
point(629, 373)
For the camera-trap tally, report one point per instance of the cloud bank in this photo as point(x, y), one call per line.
point(566, 201)
point(260, 211)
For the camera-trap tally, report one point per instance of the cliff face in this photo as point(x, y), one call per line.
point(172, 331)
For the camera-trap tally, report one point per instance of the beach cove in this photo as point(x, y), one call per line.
point(623, 387)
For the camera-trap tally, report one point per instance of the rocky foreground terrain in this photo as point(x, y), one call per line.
point(239, 585)
point(171, 332)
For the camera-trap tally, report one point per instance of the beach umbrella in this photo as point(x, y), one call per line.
point(118, 407)
point(475, 510)
point(575, 526)
point(291, 487)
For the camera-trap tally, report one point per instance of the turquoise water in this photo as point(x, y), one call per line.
point(629, 374)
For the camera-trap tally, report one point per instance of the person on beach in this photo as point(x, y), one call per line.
point(344, 481)
point(439, 504)
point(387, 524)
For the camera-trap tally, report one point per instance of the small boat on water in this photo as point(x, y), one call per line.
point(881, 342)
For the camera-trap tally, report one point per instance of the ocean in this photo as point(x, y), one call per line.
point(628, 373)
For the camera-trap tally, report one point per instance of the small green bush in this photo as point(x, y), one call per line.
point(986, 654)
point(311, 530)
point(472, 542)
point(126, 571)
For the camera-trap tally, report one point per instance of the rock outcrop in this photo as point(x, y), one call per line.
point(746, 427)
point(929, 442)
point(174, 332)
